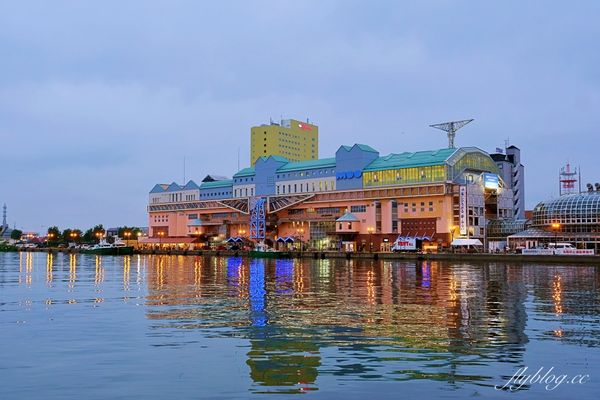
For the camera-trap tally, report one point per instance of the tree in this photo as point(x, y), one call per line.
point(93, 234)
point(71, 235)
point(65, 237)
point(53, 234)
point(88, 236)
point(16, 234)
point(126, 232)
point(98, 232)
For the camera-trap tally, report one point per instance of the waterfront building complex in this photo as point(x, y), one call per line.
point(571, 218)
point(292, 139)
point(356, 200)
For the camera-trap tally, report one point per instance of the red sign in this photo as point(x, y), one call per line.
point(304, 127)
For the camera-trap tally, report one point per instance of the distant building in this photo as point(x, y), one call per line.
point(513, 174)
point(292, 139)
point(5, 230)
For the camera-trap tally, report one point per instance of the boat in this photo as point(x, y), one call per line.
point(118, 248)
point(263, 251)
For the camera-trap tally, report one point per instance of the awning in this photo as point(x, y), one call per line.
point(168, 240)
point(236, 239)
point(348, 217)
point(466, 242)
point(286, 239)
point(416, 237)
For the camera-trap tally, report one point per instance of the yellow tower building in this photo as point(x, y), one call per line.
point(292, 139)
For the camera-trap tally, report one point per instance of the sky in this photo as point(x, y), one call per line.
point(101, 100)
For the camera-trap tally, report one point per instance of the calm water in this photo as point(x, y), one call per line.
point(158, 327)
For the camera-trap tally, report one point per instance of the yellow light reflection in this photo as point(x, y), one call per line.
point(557, 294)
point(72, 270)
point(99, 277)
point(126, 272)
point(371, 287)
point(28, 268)
point(49, 262)
point(198, 277)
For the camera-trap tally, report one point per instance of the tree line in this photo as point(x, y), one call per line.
point(92, 235)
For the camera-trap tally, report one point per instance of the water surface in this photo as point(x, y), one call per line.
point(156, 327)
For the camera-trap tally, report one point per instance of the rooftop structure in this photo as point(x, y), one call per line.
point(292, 139)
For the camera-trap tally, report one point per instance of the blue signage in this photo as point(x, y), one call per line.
point(491, 181)
point(348, 174)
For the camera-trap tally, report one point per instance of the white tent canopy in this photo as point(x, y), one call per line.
point(466, 242)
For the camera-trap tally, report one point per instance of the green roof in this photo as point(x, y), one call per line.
point(216, 184)
point(244, 172)
point(407, 159)
point(309, 164)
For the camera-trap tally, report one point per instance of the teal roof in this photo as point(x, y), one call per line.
point(309, 164)
point(216, 184)
point(407, 159)
point(244, 172)
point(362, 147)
point(365, 147)
point(276, 158)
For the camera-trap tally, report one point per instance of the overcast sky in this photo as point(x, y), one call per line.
point(101, 100)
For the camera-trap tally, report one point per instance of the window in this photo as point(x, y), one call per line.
point(358, 209)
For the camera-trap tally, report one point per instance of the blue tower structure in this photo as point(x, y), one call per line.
point(257, 218)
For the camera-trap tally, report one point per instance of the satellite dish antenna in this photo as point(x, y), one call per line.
point(451, 128)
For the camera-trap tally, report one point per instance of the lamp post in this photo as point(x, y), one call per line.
point(370, 230)
point(160, 235)
point(555, 228)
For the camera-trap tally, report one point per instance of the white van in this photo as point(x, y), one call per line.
point(560, 246)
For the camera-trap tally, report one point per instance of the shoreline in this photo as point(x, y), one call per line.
point(486, 257)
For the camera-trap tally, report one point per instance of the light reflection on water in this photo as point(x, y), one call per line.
point(289, 326)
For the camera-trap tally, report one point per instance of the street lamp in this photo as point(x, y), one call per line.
point(160, 235)
point(370, 230)
point(555, 228)
point(127, 234)
point(49, 238)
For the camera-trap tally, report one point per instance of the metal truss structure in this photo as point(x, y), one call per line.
point(258, 218)
point(451, 128)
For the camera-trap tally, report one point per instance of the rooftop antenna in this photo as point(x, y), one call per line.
point(506, 143)
point(451, 128)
